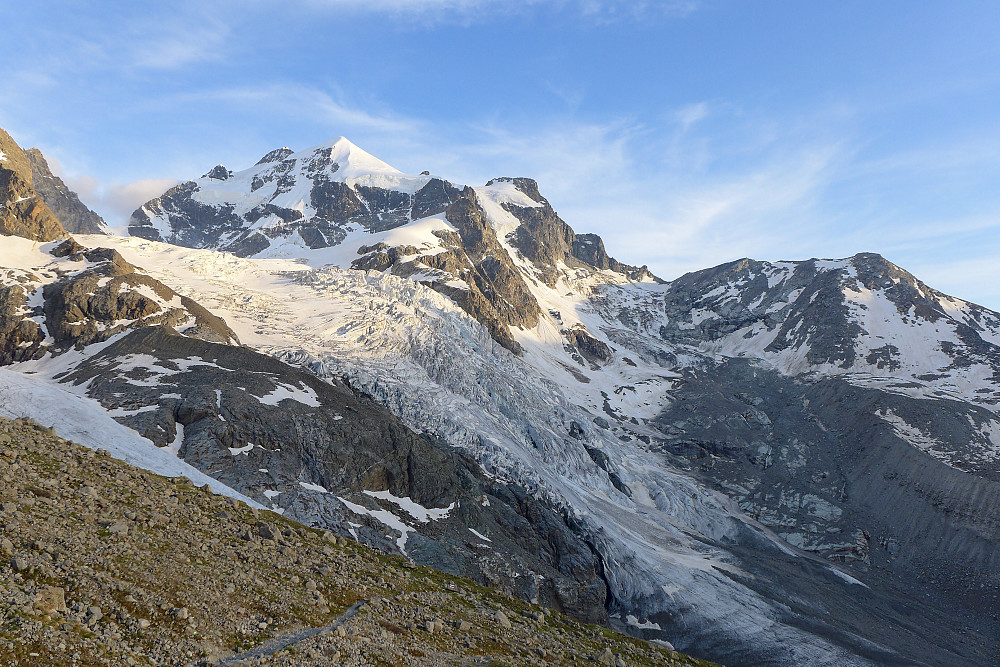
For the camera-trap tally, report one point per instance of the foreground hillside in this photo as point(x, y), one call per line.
point(109, 564)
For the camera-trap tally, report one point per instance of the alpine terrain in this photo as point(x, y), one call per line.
point(790, 463)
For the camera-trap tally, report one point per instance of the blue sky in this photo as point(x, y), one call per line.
point(687, 132)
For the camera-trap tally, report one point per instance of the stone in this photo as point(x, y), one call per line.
point(463, 626)
point(19, 564)
point(266, 531)
point(94, 614)
point(502, 620)
point(50, 599)
point(606, 657)
point(119, 527)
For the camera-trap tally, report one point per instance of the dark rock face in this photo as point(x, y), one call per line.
point(433, 198)
point(75, 217)
point(497, 296)
point(22, 211)
point(593, 350)
point(545, 239)
point(219, 173)
point(214, 400)
point(21, 336)
point(100, 301)
point(193, 224)
point(816, 461)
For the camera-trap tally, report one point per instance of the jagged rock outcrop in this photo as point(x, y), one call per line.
point(87, 296)
point(74, 215)
point(110, 296)
point(546, 240)
point(496, 293)
point(22, 212)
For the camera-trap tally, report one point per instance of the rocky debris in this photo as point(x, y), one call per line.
point(22, 211)
point(75, 217)
point(181, 587)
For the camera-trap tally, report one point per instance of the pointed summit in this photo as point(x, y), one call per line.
point(352, 161)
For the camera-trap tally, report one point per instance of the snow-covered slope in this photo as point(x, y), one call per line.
point(86, 422)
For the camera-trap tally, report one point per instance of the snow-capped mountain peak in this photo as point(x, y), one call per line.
point(352, 161)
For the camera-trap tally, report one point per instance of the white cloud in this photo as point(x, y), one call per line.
point(687, 116)
point(115, 202)
point(316, 105)
point(475, 10)
point(171, 45)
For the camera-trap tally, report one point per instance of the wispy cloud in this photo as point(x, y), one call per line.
point(303, 102)
point(477, 10)
point(116, 201)
point(172, 45)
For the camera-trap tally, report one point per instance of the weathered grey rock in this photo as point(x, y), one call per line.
point(606, 657)
point(94, 614)
point(50, 599)
point(74, 215)
point(22, 211)
point(266, 531)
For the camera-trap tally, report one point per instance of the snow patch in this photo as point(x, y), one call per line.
point(479, 535)
point(302, 394)
point(414, 509)
point(385, 517)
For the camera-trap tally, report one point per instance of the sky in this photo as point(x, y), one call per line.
point(686, 132)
